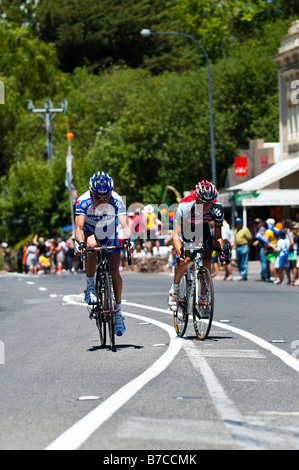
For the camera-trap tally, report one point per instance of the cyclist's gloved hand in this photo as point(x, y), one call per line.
point(126, 243)
point(79, 248)
point(183, 253)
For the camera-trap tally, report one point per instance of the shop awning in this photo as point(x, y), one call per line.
point(275, 173)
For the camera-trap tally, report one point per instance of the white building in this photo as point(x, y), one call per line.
point(272, 177)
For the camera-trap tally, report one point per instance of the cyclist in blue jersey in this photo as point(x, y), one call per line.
point(192, 225)
point(97, 213)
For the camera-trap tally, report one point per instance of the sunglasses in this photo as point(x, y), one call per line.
point(199, 201)
point(101, 198)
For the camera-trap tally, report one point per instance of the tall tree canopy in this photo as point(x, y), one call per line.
point(138, 107)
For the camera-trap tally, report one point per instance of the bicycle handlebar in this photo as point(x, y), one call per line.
point(108, 248)
point(201, 248)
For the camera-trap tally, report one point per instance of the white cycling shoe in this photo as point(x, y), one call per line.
point(173, 299)
point(119, 326)
point(90, 295)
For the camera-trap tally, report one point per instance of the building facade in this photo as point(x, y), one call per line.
point(270, 184)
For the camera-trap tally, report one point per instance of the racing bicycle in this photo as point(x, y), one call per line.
point(103, 311)
point(196, 294)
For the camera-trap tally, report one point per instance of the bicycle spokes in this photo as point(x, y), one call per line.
point(203, 305)
point(180, 316)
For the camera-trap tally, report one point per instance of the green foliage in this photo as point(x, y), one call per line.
point(220, 25)
point(29, 70)
point(138, 107)
point(163, 127)
point(97, 34)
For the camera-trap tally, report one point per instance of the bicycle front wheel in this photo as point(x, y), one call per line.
point(203, 305)
point(109, 309)
point(180, 317)
point(101, 319)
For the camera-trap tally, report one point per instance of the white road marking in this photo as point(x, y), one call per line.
point(232, 353)
point(283, 355)
point(89, 397)
point(75, 436)
point(245, 436)
point(232, 418)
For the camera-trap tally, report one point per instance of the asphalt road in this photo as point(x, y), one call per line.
point(59, 390)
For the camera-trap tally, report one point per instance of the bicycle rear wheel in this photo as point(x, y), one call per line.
point(180, 317)
point(109, 309)
point(203, 307)
point(101, 319)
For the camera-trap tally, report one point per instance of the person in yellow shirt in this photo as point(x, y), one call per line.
point(152, 222)
point(270, 251)
point(243, 238)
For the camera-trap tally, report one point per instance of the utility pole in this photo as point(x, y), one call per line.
point(47, 114)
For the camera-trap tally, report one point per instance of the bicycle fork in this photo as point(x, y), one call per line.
point(196, 299)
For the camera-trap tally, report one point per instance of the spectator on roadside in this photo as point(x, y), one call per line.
point(138, 231)
point(31, 258)
point(228, 241)
point(292, 235)
point(242, 241)
point(40, 245)
point(296, 227)
point(60, 250)
point(282, 260)
point(70, 256)
point(263, 244)
point(51, 253)
point(215, 271)
point(152, 226)
point(271, 236)
point(24, 266)
point(19, 259)
point(7, 256)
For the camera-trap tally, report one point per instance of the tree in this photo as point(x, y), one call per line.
point(29, 70)
point(161, 136)
point(219, 25)
point(97, 34)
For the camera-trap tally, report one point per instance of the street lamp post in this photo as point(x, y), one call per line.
point(148, 32)
point(49, 114)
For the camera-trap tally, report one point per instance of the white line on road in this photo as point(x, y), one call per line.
point(75, 436)
point(232, 418)
point(244, 435)
point(283, 355)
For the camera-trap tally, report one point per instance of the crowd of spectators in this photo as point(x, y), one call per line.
point(53, 255)
point(274, 244)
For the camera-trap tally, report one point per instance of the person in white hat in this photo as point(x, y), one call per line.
point(7, 256)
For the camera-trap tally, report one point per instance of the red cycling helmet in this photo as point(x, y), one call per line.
point(206, 191)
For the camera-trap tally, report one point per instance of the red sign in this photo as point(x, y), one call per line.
point(264, 160)
point(241, 166)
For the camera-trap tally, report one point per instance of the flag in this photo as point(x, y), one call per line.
point(69, 175)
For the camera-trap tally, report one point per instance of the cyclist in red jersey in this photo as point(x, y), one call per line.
point(191, 224)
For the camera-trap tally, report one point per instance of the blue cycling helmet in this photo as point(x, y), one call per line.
point(101, 183)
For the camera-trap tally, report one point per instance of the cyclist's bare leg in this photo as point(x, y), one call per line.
point(181, 268)
point(207, 262)
point(113, 264)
